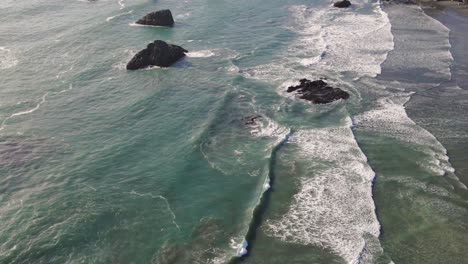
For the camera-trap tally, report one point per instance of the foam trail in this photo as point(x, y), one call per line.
point(182, 16)
point(331, 41)
point(356, 43)
point(416, 35)
point(63, 72)
point(390, 118)
point(165, 201)
point(121, 4)
point(140, 25)
point(334, 207)
point(201, 54)
point(212, 164)
point(119, 15)
point(43, 99)
point(7, 58)
point(70, 87)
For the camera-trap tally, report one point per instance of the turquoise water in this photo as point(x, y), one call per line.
point(102, 165)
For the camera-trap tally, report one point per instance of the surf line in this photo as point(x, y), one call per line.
point(262, 206)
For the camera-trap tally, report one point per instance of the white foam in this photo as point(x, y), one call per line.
point(232, 69)
point(140, 25)
point(121, 4)
point(122, 65)
point(330, 40)
point(273, 72)
point(7, 58)
point(309, 45)
point(390, 118)
point(70, 87)
point(242, 248)
point(150, 68)
point(60, 74)
point(43, 99)
point(355, 41)
point(310, 61)
point(334, 207)
point(267, 127)
point(183, 16)
point(200, 54)
point(266, 185)
point(418, 36)
point(119, 15)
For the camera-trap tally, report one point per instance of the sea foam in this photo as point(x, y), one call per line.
point(25, 112)
point(200, 54)
point(416, 35)
point(119, 15)
point(330, 40)
point(355, 41)
point(334, 207)
point(7, 58)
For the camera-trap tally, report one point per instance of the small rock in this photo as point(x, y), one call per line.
point(158, 53)
point(158, 18)
point(342, 4)
point(318, 92)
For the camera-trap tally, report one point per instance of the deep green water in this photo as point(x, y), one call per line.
point(102, 165)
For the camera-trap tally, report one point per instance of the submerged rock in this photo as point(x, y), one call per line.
point(158, 18)
point(158, 53)
point(318, 92)
point(251, 120)
point(342, 4)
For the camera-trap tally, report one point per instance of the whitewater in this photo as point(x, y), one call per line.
point(211, 160)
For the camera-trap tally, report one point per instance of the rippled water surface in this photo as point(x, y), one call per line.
point(211, 159)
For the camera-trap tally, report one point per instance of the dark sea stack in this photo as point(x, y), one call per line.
point(318, 92)
point(158, 53)
point(342, 4)
point(158, 18)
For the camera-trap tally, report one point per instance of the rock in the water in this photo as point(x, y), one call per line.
point(318, 92)
point(251, 120)
point(158, 18)
point(158, 53)
point(342, 4)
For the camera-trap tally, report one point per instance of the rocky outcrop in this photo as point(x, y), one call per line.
point(318, 92)
point(342, 4)
point(158, 18)
point(158, 53)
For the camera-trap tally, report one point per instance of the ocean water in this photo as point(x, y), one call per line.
point(104, 165)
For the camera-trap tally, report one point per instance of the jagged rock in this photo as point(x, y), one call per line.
point(158, 18)
point(342, 4)
point(318, 92)
point(158, 53)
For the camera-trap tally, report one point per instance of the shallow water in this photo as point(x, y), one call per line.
point(102, 165)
